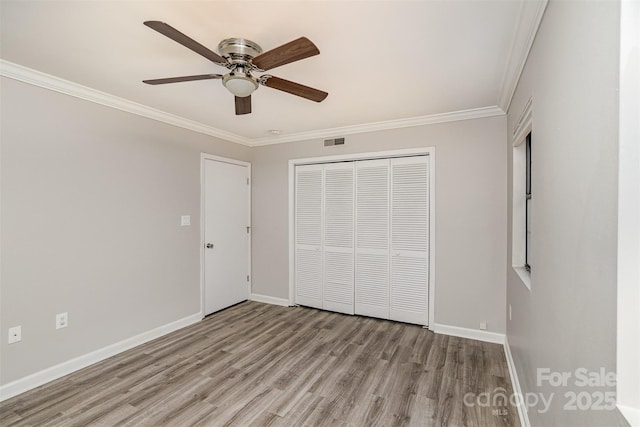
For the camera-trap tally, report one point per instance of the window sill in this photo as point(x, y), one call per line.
point(524, 274)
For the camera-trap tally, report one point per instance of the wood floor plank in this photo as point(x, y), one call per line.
point(300, 388)
point(424, 413)
point(262, 365)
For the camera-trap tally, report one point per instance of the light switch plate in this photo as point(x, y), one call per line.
point(185, 220)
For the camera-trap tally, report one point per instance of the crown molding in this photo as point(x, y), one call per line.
point(529, 19)
point(46, 81)
point(475, 113)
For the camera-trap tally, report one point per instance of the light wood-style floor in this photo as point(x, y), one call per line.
point(256, 365)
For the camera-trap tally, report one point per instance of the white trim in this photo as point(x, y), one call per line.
point(203, 158)
point(632, 415)
point(531, 13)
point(524, 124)
point(523, 274)
point(250, 229)
point(292, 229)
point(269, 300)
point(46, 81)
point(475, 113)
point(515, 384)
point(65, 368)
point(429, 151)
point(473, 334)
point(421, 151)
point(628, 248)
point(432, 236)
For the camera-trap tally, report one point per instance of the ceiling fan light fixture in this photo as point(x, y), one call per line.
point(240, 85)
point(242, 57)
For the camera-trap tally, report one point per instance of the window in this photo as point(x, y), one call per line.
point(527, 220)
point(521, 197)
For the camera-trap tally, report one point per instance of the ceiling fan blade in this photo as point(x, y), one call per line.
point(293, 88)
point(182, 79)
point(186, 41)
point(243, 105)
point(289, 52)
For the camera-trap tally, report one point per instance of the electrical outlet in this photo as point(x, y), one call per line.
point(62, 320)
point(15, 334)
point(483, 326)
point(509, 311)
point(185, 220)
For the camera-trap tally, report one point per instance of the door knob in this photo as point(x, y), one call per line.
point(209, 245)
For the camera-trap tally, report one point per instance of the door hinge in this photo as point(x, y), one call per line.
point(247, 181)
point(248, 229)
point(247, 277)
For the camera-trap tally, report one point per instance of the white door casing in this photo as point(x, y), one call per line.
point(225, 232)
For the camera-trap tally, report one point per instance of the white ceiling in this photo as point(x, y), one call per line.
point(380, 61)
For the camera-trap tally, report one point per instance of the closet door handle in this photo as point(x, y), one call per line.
point(209, 246)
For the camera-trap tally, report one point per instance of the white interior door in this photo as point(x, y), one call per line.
point(372, 238)
point(409, 287)
point(338, 237)
point(226, 236)
point(308, 235)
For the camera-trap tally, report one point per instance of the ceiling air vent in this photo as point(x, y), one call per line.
point(334, 141)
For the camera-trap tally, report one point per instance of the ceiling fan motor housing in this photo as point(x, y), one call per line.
point(239, 50)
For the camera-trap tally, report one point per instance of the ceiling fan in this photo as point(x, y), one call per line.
point(243, 57)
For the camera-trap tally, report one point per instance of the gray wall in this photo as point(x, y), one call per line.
point(91, 205)
point(568, 319)
point(470, 214)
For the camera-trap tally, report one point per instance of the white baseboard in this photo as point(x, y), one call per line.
point(515, 384)
point(270, 300)
point(473, 334)
point(46, 375)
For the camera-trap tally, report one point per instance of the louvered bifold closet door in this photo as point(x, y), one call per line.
point(409, 283)
point(372, 238)
point(308, 235)
point(338, 237)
